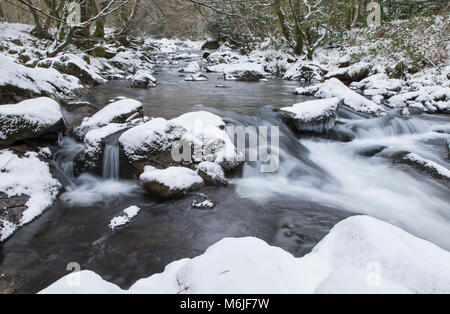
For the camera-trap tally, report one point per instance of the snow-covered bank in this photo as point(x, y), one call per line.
point(27, 72)
point(359, 255)
point(27, 177)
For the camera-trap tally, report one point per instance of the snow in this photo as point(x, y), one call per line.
point(207, 131)
point(360, 255)
point(196, 77)
point(314, 109)
point(350, 71)
point(6, 229)
point(429, 164)
point(192, 67)
point(204, 129)
point(42, 110)
point(27, 176)
point(143, 76)
point(175, 178)
point(202, 204)
point(109, 113)
point(69, 58)
point(39, 81)
point(237, 67)
point(152, 134)
point(379, 82)
point(432, 97)
point(212, 169)
point(335, 88)
point(125, 217)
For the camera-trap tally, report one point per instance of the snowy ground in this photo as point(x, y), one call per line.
point(352, 258)
point(28, 176)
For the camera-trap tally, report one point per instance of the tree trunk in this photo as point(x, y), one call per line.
point(282, 20)
point(356, 16)
point(2, 15)
point(100, 24)
point(18, 12)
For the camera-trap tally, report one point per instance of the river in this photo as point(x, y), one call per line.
point(320, 182)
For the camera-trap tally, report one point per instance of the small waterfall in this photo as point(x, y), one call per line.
point(111, 166)
point(64, 157)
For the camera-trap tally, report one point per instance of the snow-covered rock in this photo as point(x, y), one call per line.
point(19, 82)
point(211, 173)
point(335, 88)
point(430, 99)
point(221, 57)
point(359, 255)
point(124, 217)
point(193, 137)
point(303, 71)
point(353, 73)
point(245, 71)
point(130, 62)
point(30, 119)
point(120, 111)
point(143, 79)
point(317, 116)
point(428, 166)
point(192, 67)
point(379, 82)
point(171, 182)
point(203, 201)
point(196, 77)
point(29, 189)
point(74, 65)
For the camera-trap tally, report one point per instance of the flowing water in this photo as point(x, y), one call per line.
point(111, 162)
point(319, 182)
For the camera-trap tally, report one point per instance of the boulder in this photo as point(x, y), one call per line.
point(71, 64)
point(353, 73)
point(18, 82)
point(427, 166)
point(102, 52)
point(196, 77)
point(203, 201)
point(169, 183)
point(206, 54)
point(184, 141)
point(143, 79)
point(304, 71)
point(316, 116)
point(193, 67)
point(248, 75)
point(30, 119)
point(211, 44)
point(352, 100)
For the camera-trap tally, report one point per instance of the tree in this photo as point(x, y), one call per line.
point(58, 13)
point(305, 23)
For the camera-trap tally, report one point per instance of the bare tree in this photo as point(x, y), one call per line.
point(58, 13)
